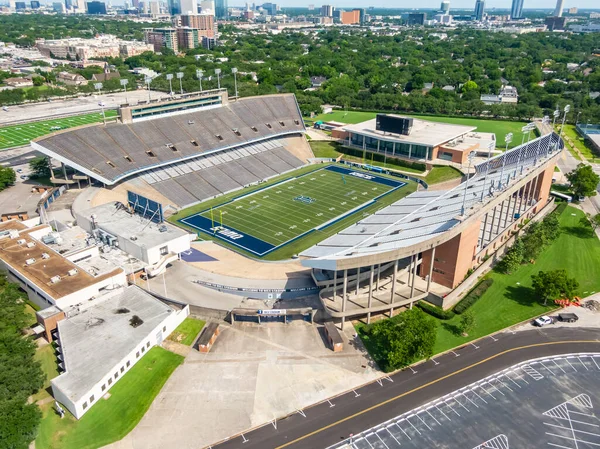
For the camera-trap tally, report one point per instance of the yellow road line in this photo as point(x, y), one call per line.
point(387, 401)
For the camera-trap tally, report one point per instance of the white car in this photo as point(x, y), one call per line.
point(542, 321)
point(4, 108)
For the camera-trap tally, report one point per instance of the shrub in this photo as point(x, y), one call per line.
point(434, 311)
point(472, 297)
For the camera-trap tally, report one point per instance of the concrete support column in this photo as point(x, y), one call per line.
point(500, 217)
point(431, 268)
point(493, 221)
point(535, 189)
point(370, 300)
point(409, 150)
point(357, 280)
point(414, 273)
point(526, 190)
point(507, 211)
point(394, 275)
point(515, 206)
point(344, 295)
point(484, 229)
point(334, 284)
point(378, 276)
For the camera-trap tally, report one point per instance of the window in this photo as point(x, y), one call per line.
point(137, 355)
point(164, 328)
point(122, 369)
point(103, 387)
point(172, 147)
point(128, 159)
point(110, 381)
point(128, 363)
point(84, 405)
point(92, 399)
point(150, 153)
point(116, 375)
point(143, 349)
point(148, 344)
point(164, 250)
point(111, 164)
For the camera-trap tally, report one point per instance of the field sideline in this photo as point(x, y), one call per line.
point(19, 135)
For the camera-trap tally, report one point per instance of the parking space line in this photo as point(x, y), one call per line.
point(429, 428)
point(477, 394)
point(584, 365)
point(558, 445)
point(451, 408)
point(398, 425)
point(560, 367)
point(469, 399)
point(594, 360)
point(459, 403)
point(542, 363)
point(442, 412)
point(481, 386)
point(392, 435)
point(413, 426)
point(574, 430)
point(433, 417)
point(382, 442)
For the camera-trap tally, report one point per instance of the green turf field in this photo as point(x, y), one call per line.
point(498, 127)
point(18, 135)
point(285, 211)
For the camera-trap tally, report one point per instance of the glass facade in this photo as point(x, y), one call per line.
point(400, 149)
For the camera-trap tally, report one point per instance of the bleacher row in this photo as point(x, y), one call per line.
point(201, 178)
point(116, 150)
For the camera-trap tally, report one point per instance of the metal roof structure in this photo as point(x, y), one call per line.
point(424, 215)
point(112, 152)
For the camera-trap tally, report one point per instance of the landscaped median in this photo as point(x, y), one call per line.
point(110, 419)
point(510, 298)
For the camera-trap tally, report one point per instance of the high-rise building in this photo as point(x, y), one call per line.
point(188, 6)
point(270, 8)
point(327, 11)
point(350, 17)
point(135, 3)
point(417, 18)
point(20, 5)
point(80, 6)
point(35, 4)
point(202, 22)
point(516, 10)
point(174, 7)
point(207, 7)
point(445, 7)
point(161, 37)
point(363, 15)
point(479, 10)
point(96, 7)
point(558, 12)
point(221, 9)
point(58, 7)
point(154, 8)
point(555, 23)
point(573, 10)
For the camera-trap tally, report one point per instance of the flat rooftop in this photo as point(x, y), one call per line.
point(94, 341)
point(595, 138)
point(423, 132)
point(48, 263)
point(119, 222)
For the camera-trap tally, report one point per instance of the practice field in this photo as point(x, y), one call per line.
point(265, 220)
point(19, 135)
point(498, 127)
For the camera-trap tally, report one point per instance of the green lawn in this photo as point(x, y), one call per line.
point(499, 127)
point(18, 135)
point(510, 299)
point(441, 173)
point(187, 331)
point(584, 147)
point(110, 419)
point(46, 355)
point(260, 227)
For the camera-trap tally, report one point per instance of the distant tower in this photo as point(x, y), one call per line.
point(479, 10)
point(445, 7)
point(559, 8)
point(516, 11)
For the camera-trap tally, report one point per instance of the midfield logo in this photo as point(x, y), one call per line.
point(227, 233)
point(360, 175)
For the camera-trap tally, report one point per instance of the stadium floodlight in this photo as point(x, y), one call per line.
point(170, 78)
point(507, 139)
point(526, 130)
point(199, 74)
point(98, 87)
point(179, 77)
point(470, 157)
point(545, 121)
point(234, 70)
point(124, 83)
point(218, 73)
point(487, 168)
point(566, 110)
point(148, 80)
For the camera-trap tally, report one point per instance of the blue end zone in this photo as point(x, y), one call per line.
point(260, 247)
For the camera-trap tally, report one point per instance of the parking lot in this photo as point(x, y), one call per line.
point(547, 403)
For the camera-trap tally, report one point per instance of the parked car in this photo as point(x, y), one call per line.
point(542, 321)
point(567, 317)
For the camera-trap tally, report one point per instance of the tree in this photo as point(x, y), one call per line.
point(513, 257)
point(551, 226)
point(38, 80)
point(467, 322)
point(40, 167)
point(591, 220)
point(469, 86)
point(584, 181)
point(554, 284)
point(7, 177)
point(405, 338)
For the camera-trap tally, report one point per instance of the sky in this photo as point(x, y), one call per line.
point(503, 4)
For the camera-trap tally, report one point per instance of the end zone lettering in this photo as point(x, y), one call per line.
point(227, 233)
point(360, 175)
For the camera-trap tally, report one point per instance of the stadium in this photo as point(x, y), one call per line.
point(241, 173)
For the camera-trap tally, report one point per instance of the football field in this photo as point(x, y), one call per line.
point(267, 219)
point(19, 135)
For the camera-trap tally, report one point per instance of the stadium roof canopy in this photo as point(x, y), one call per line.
point(115, 151)
point(424, 215)
point(423, 132)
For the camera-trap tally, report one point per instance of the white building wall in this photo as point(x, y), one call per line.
point(154, 338)
point(93, 291)
point(176, 246)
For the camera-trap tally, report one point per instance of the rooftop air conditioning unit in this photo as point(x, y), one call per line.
point(55, 279)
point(45, 256)
point(30, 244)
point(13, 233)
point(30, 261)
point(21, 241)
point(73, 272)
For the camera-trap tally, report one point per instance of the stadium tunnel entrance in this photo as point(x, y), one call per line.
point(272, 315)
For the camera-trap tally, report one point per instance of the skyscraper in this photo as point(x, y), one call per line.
point(189, 6)
point(327, 11)
point(479, 10)
point(221, 9)
point(516, 11)
point(445, 7)
point(558, 12)
point(174, 7)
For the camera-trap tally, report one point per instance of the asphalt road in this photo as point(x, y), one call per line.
point(327, 423)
